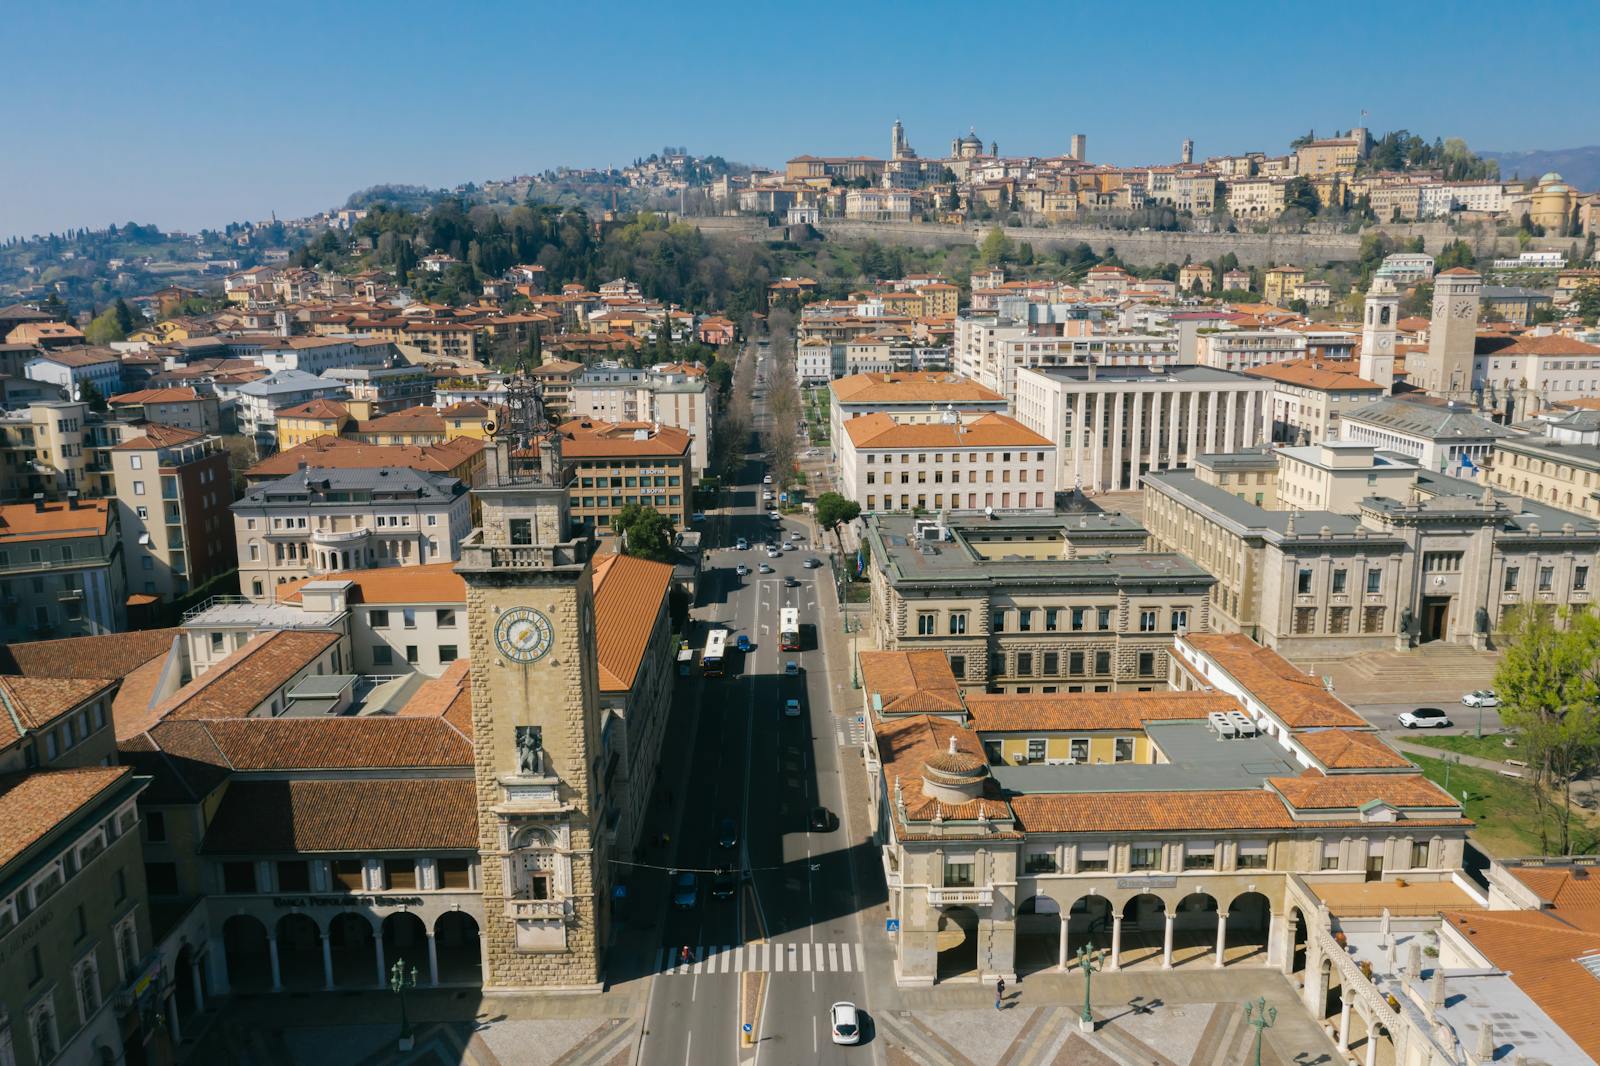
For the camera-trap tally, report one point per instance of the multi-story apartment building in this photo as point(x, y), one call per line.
point(674, 396)
point(608, 465)
point(1447, 438)
point(182, 407)
point(1260, 198)
point(1111, 425)
point(1033, 603)
point(61, 569)
point(1125, 823)
point(1242, 349)
point(1305, 399)
point(461, 458)
point(48, 447)
point(173, 490)
point(70, 369)
point(325, 519)
point(907, 398)
point(1383, 566)
point(992, 348)
point(1559, 466)
point(555, 378)
point(373, 391)
point(260, 401)
point(989, 462)
point(1283, 284)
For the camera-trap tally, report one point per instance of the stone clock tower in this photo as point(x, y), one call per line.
point(536, 733)
point(1452, 335)
point(1378, 333)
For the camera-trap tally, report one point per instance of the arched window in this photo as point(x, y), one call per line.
point(44, 1034)
point(88, 989)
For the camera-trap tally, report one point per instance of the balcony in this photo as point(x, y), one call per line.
point(537, 910)
point(965, 897)
point(475, 555)
point(329, 538)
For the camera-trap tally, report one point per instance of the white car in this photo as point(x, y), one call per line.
point(1425, 718)
point(773, 553)
point(791, 708)
point(742, 570)
point(775, 516)
point(766, 568)
point(1483, 697)
point(845, 1023)
point(767, 480)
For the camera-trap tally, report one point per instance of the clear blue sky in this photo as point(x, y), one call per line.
point(191, 114)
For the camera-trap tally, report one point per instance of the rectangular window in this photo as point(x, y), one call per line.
point(411, 654)
point(1338, 619)
point(1102, 662)
point(408, 617)
point(958, 623)
point(1123, 749)
point(1419, 855)
point(1147, 621)
point(1036, 749)
point(378, 619)
point(1144, 857)
point(521, 530)
point(997, 622)
point(1372, 620)
point(1303, 582)
point(1339, 578)
point(1252, 855)
point(926, 623)
point(1093, 857)
point(1512, 574)
point(1374, 580)
point(447, 653)
point(453, 873)
point(1075, 663)
point(238, 877)
point(1104, 618)
point(1200, 855)
point(1147, 664)
point(1025, 664)
point(346, 875)
point(1025, 620)
point(1051, 619)
point(382, 655)
point(958, 666)
point(1547, 578)
point(1079, 751)
point(1305, 619)
point(399, 874)
point(1040, 862)
point(957, 874)
point(445, 618)
point(294, 876)
point(1052, 663)
point(1077, 619)
point(1580, 579)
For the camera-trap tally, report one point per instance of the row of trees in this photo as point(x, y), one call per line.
point(783, 398)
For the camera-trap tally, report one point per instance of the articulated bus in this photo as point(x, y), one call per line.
point(711, 659)
point(789, 629)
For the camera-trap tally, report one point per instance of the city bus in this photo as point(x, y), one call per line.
point(789, 629)
point(711, 659)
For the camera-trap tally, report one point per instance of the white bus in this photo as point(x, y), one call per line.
point(789, 629)
point(711, 659)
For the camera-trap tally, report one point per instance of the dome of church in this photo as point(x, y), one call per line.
point(1550, 178)
point(973, 139)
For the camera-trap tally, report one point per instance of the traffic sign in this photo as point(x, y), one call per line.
point(748, 1027)
point(891, 925)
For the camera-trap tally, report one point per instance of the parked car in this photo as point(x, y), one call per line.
point(1483, 697)
point(766, 568)
point(742, 642)
point(775, 516)
point(766, 479)
point(821, 820)
point(845, 1023)
point(741, 544)
point(685, 891)
point(791, 708)
point(791, 669)
point(791, 582)
point(1425, 718)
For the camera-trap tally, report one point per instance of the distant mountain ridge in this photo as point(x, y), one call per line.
point(1580, 166)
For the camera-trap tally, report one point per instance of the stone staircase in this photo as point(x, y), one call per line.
point(1432, 672)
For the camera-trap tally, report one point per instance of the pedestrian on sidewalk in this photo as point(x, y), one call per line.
point(999, 992)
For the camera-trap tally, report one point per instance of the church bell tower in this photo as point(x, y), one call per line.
point(1378, 333)
point(535, 727)
point(1453, 334)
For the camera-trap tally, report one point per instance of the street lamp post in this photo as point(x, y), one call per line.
point(399, 982)
point(1088, 962)
point(1260, 1017)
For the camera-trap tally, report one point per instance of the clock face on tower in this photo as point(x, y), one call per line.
point(1462, 310)
point(522, 634)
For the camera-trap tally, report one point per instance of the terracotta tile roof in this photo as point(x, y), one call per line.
point(912, 388)
point(584, 438)
point(32, 703)
point(465, 409)
point(1091, 710)
point(176, 394)
point(20, 522)
point(905, 745)
point(318, 409)
point(1091, 812)
point(1316, 374)
point(427, 583)
point(111, 655)
point(184, 765)
point(1314, 790)
point(341, 452)
point(158, 436)
point(1298, 699)
point(410, 420)
point(628, 594)
point(235, 686)
point(1540, 954)
point(282, 817)
point(1351, 749)
point(1526, 344)
point(448, 696)
point(37, 801)
point(1572, 891)
point(376, 741)
point(1460, 270)
point(879, 430)
point(910, 682)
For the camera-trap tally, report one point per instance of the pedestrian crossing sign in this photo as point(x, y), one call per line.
point(891, 925)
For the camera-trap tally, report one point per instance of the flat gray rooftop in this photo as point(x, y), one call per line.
point(1199, 761)
point(219, 615)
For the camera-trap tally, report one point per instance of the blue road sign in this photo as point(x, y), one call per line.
point(891, 925)
point(747, 1027)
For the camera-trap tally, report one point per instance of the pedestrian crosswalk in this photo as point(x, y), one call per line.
point(802, 957)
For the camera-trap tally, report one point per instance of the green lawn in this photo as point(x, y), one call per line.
point(1489, 746)
point(1507, 823)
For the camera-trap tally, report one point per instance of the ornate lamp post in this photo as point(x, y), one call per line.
point(399, 981)
point(1260, 1017)
point(1088, 961)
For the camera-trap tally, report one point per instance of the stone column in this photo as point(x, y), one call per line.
point(1061, 960)
point(433, 960)
point(1135, 440)
point(1175, 431)
point(1116, 441)
point(1231, 400)
point(1344, 1024)
point(1252, 418)
point(1097, 479)
point(1372, 1041)
point(1116, 943)
point(1313, 1001)
point(327, 963)
point(1211, 422)
point(1194, 426)
point(1079, 426)
point(272, 957)
point(1222, 939)
point(377, 946)
point(1166, 942)
point(199, 983)
point(217, 963)
point(1155, 431)
point(172, 1019)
